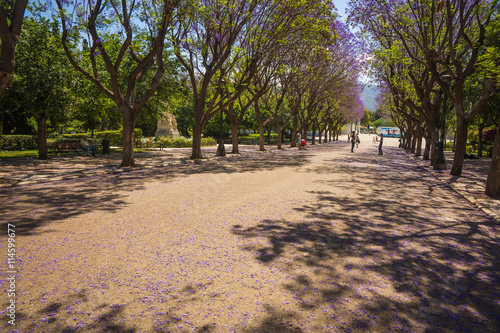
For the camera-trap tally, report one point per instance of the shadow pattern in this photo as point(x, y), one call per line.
point(399, 252)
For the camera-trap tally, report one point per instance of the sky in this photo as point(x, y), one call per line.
point(341, 6)
point(369, 91)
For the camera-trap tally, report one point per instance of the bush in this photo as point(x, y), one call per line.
point(208, 142)
point(489, 135)
point(116, 137)
point(18, 140)
point(250, 138)
point(184, 143)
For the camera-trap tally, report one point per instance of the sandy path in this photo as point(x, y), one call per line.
point(315, 241)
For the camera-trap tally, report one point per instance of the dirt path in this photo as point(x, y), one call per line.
point(320, 241)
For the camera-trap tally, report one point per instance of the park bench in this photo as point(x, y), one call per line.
point(71, 147)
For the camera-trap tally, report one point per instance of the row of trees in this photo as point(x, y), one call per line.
point(290, 62)
point(427, 50)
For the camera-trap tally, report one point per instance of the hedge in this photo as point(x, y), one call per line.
point(18, 141)
point(116, 138)
point(184, 143)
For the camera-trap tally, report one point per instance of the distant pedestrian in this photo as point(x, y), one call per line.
point(357, 140)
point(353, 141)
point(381, 141)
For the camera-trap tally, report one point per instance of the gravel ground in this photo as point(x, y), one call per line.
point(320, 240)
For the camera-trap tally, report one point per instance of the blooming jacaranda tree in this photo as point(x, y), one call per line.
point(446, 37)
point(223, 43)
point(125, 50)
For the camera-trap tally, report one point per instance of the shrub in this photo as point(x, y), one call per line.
point(489, 135)
point(115, 137)
point(184, 143)
point(250, 138)
point(208, 141)
point(18, 140)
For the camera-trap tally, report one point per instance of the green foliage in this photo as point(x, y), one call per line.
point(382, 122)
point(6, 154)
point(115, 137)
point(18, 140)
point(365, 121)
point(184, 143)
point(212, 128)
point(250, 138)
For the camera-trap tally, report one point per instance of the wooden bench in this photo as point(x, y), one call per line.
point(69, 147)
point(72, 147)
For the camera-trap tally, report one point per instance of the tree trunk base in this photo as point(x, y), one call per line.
point(440, 166)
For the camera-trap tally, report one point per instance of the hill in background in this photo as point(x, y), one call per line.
point(369, 95)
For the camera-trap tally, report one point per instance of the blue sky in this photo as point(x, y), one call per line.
point(341, 5)
point(369, 92)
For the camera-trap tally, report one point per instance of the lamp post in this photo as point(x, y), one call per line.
point(440, 159)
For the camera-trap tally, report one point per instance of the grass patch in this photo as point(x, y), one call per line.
point(4, 154)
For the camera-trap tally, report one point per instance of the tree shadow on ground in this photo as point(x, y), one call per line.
point(402, 256)
point(62, 316)
point(31, 206)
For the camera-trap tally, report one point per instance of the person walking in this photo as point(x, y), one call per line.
point(353, 141)
point(381, 141)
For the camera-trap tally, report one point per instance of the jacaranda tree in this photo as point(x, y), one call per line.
point(126, 48)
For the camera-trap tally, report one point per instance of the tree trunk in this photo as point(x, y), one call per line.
point(295, 129)
point(197, 130)
point(413, 143)
point(129, 118)
point(460, 148)
point(235, 125)
point(9, 40)
point(418, 152)
point(313, 142)
point(493, 180)
point(196, 149)
point(261, 125)
point(278, 130)
point(408, 137)
point(427, 148)
point(480, 138)
point(327, 129)
point(454, 140)
point(434, 138)
point(234, 137)
point(42, 137)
